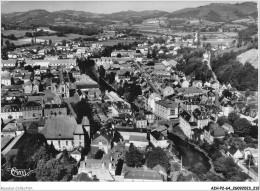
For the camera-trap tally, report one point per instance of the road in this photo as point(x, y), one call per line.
point(146, 78)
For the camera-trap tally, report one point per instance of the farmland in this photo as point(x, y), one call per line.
point(17, 33)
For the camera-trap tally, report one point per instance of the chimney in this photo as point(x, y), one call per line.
point(110, 166)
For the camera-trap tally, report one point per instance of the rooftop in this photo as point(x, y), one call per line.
point(59, 127)
point(167, 103)
point(143, 174)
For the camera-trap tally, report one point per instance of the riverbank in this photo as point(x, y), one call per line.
point(197, 148)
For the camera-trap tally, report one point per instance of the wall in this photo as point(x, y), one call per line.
point(185, 126)
point(62, 145)
point(15, 115)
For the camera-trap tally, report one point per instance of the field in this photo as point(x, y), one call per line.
point(113, 42)
point(59, 39)
point(54, 39)
point(17, 33)
point(215, 42)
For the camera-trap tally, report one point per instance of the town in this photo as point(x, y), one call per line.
point(161, 100)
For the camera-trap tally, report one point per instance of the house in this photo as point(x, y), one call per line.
point(6, 80)
point(228, 128)
point(12, 129)
point(235, 153)
point(197, 83)
point(76, 154)
point(140, 141)
point(31, 109)
point(189, 91)
point(151, 101)
point(149, 116)
point(141, 175)
point(166, 109)
point(161, 171)
point(158, 139)
point(63, 133)
point(54, 109)
point(213, 131)
point(12, 111)
point(31, 88)
point(121, 107)
point(101, 169)
point(226, 108)
point(201, 117)
point(102, 140)
point(186, 124)
point(168, 90)
point(185, 84)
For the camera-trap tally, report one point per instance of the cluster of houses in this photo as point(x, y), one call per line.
point(43, 101)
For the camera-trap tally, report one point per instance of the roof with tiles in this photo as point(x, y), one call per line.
point(59, 127)
point(167, 103)
point(143, 174)
point(137, 138)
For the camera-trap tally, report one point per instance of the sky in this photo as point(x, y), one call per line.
point(101, 6)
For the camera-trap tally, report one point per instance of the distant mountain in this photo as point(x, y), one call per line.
point(44, 17)
point(212, 12)
point(218, 12)
point(128, 14)
point(28, 16)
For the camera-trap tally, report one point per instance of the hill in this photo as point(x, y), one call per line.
point(218, 12)
point(43, 17)
point(250, 56)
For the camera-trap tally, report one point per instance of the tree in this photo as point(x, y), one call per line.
point(102, 71)
point(226, 93)
point(51, 170)
point(63, 42)
point(232, 117)
point(134, 158)
point(200, 169)
point(208, 47)
point(50, 42)
point(99, 154)
point(7, 43)
point(222, 120)
point(250, 160)
point(219, 165)
point(157, 156)
point(149, 55)
point(154, 54)
point(118, 55)
point(242, 127)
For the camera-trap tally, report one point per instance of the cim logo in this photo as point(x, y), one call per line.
point(20, 172)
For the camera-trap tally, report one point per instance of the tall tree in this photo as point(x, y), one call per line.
point(242, 127)
point(134, 158)
point(232, 117)
point(158, 156)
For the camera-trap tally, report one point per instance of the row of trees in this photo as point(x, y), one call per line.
point(242, 127)
point(92, 30)
point(226, 166)
point(136, 158)
point(191, 64)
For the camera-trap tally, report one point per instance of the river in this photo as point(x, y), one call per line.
point(189, 154)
